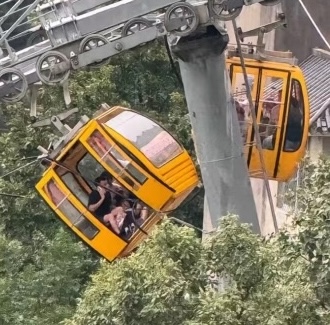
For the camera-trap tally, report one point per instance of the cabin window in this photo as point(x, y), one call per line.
point(60, 200)
point(242, 105)
point(114, 159)
point(86, 227)
point(147, 136)
point(295, 122)
point(90, 169)
point(71, 182)
point(271, 103)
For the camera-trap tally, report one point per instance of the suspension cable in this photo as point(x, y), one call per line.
point(19, 168)
point(315, 25)
point(255, 126)
point(189, 225)
point(15, 195)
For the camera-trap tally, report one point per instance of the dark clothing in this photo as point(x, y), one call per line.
point(104, 208)
point(294, 129)
point(128, 226)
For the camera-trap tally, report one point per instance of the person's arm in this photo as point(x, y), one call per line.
point(111, 219)
point(96, 200)
point(144, 213)
point(113, 223)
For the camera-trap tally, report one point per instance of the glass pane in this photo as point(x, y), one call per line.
point(141, 178)
point(72, 214)
point(109, 153)
point(90, 169)
point(271, 100)
point(103, 148)
point(294, 128)
point(152, 140)
point(86, 227)
point(242, 102)
point(61, 202)
point(71, 182)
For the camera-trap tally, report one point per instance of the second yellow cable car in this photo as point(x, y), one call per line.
point(280, 99)
point(119, 153)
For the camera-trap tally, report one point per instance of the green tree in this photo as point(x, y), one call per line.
point(40, 283)
point(166, 282)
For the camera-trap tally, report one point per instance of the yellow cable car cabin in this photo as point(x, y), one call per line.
point(280, 98)
point(152, 174)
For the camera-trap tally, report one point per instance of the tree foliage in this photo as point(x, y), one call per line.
point(40, 283)
point(166, 282)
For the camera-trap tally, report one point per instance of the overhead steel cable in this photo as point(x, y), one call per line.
point(314, 23)
point(18, 168)
point(255, 126)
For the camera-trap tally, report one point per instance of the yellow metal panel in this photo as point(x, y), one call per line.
point(270, 156)
point(289, 161)
point(151, 192)
point(106, 243)
point(280, 165)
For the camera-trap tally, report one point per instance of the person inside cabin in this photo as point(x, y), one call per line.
point(121, 219)
point(125, 218)
point(294, 128)
point(100, 200)
point(140, 213)
point(241, 119)
point(273, 111)
point(117, 191)
point(265, 129)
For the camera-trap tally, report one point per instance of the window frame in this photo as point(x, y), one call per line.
point(109, 118)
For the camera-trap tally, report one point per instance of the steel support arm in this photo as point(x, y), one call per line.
point(117, 13)
point(11, 10)
point(117, 46)
point(80, 6)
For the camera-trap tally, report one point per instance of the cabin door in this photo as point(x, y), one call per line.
point(270, 110)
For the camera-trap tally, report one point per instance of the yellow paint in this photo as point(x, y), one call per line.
point(281, 165)
point(161, 188)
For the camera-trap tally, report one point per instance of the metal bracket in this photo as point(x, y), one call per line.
point(66, 93)
point(262, 30)
point(59, 145)
point(34, 88)
point(261, 53)
point(57, 121)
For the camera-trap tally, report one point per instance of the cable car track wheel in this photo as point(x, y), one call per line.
point(270, 2)
point(181, 19)
point(53, 68)
point(91, 42)
point(36, 37)
point(135, 25)
point(219, 9)
point(16, 82)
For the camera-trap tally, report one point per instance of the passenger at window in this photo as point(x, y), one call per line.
point(269, 141)
point(294, 128)
point(241, 119)
point(100, 201)
point(116, 191)
point(140, 213)
point(121, 220)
